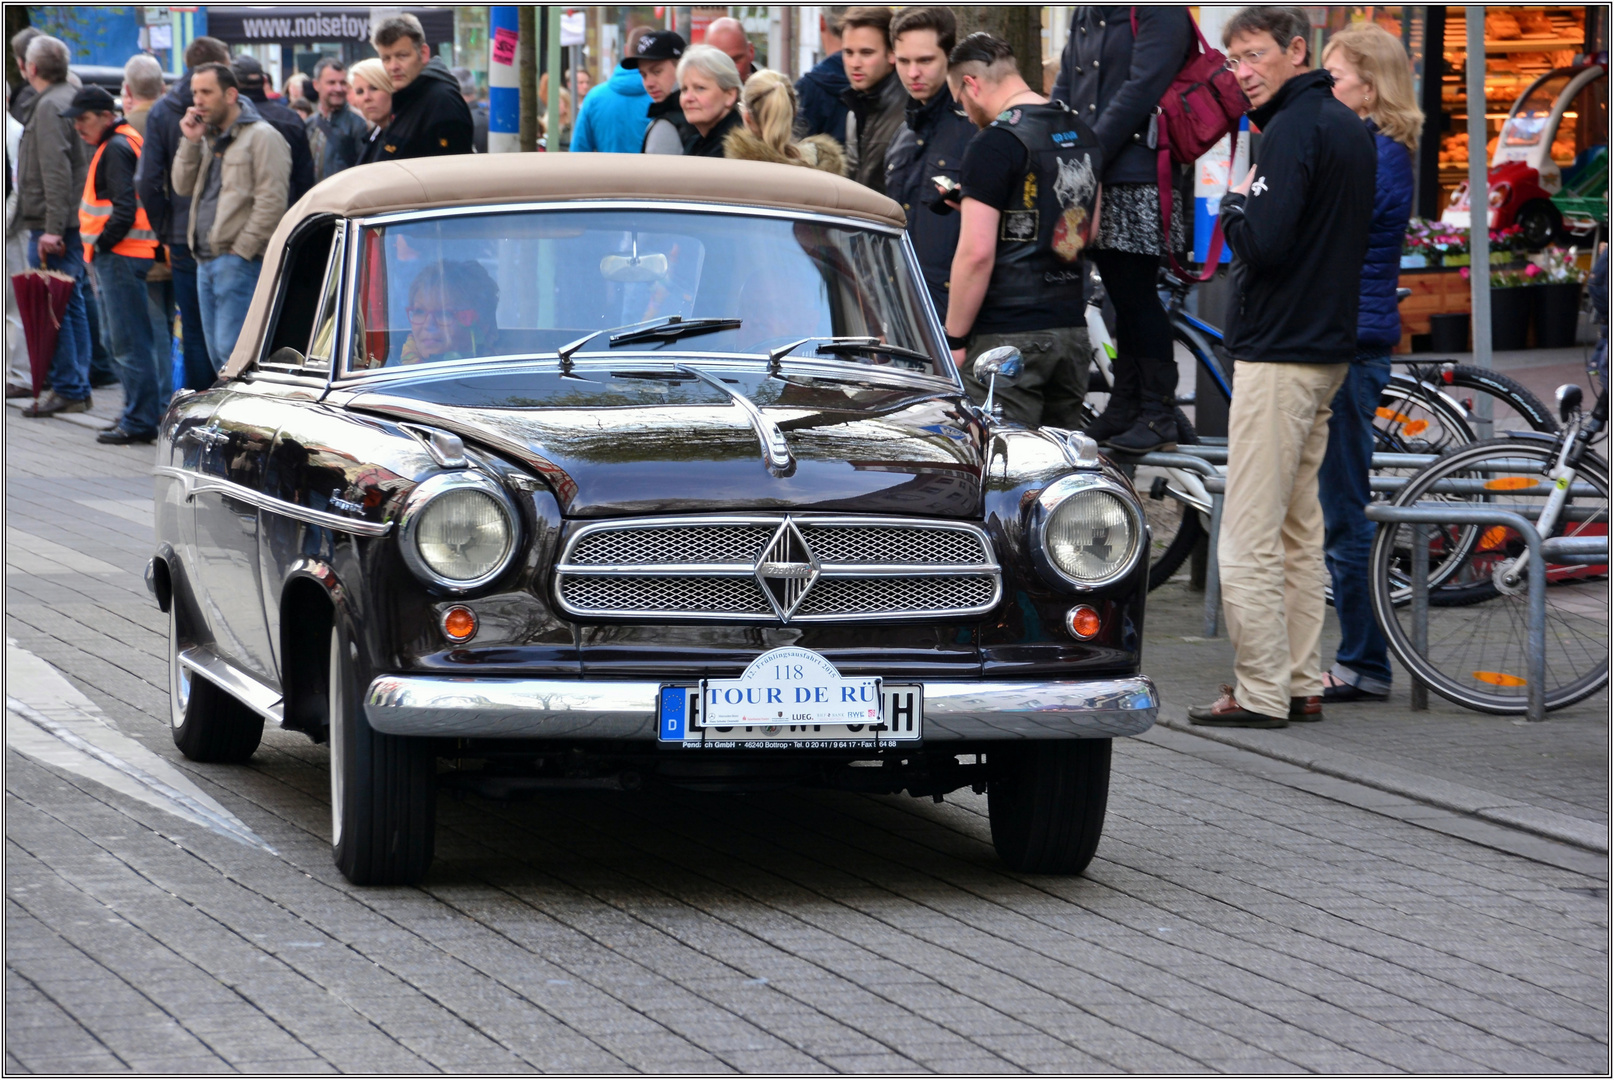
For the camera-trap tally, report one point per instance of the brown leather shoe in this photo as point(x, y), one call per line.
point(17, 390)
point(1305, 710)
point(1227, 712)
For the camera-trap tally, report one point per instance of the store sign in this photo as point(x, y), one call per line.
point(296, 24)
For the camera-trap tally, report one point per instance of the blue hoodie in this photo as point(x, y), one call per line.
point(614, 116)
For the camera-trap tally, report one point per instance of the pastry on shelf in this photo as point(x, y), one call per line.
point(1501, 26)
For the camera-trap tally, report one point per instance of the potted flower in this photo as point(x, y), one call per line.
point(1556, 294)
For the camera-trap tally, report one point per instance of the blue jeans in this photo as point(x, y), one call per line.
point(1342, 487)
point(199, 374)
point(224, 284)
point(103, 368)
point(128, 322)
point(70, 364)
point(160, 305)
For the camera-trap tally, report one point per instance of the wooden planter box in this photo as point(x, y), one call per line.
point(1434, 292)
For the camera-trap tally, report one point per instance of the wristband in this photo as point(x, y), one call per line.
point(956, 342)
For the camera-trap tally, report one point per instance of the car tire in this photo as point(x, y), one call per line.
point(383, 787)
point(1046, 802)
point(1539, 224)
point(207, 723)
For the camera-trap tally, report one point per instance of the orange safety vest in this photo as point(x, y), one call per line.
point(141, 240)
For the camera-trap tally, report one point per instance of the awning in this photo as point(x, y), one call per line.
point(289, 25)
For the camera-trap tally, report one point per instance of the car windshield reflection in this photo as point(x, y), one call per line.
point(532, 283)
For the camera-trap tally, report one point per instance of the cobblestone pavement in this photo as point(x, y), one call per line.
point(1241, 915)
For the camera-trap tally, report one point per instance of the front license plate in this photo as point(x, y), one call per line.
point(902, 706)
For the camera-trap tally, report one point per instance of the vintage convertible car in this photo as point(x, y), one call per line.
point(609, 471)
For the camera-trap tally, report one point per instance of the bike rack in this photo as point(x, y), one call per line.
point(1210, 461)
point(1582, 550)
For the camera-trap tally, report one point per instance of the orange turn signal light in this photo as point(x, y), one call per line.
point(1082, 622)
point(459, 624)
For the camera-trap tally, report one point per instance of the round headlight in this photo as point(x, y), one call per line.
point(1090, 533)
point(458, 531)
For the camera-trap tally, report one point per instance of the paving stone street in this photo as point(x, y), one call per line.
point(1382, 892)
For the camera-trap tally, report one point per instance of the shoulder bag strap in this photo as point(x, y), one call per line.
point(1214, 256)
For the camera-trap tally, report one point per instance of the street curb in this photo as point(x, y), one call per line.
point(1509, 813)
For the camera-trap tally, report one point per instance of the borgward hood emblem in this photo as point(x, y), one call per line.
point(786, 570)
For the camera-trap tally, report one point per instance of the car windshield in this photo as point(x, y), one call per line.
point(521, 284)
point(1526, 126)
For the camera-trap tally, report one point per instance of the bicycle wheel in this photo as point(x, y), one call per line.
point(1175, 527)
point(1415, 417)
point(1513, 408)
point(1476, 655)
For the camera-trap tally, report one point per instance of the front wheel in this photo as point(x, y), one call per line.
point(1046, 801)
point(383, 787)
point(207, 723)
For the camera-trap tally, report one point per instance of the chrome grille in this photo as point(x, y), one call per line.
point(886, 594)
point(726, 595)
point(891, 544)
point(683, 544)
point(777, 568)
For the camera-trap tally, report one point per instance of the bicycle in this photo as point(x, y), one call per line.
point(1416, 415)
point(1474, 649)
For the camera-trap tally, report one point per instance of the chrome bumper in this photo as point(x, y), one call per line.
point(446, 706)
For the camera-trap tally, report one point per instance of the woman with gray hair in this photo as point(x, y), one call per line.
point(708, 91)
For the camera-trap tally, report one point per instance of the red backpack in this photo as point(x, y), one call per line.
point(1202, 104)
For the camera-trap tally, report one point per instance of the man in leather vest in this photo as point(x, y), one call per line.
point(121, 248)
point(1029, 206)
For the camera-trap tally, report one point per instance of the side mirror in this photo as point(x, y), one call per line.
point(1569, 399)
point(1002, 362)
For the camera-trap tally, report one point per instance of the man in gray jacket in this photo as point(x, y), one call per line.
point(52, 163)
point(236, 169)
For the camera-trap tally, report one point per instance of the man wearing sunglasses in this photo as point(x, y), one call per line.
point(1297, 227)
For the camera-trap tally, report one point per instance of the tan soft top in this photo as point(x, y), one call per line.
point(480, 179)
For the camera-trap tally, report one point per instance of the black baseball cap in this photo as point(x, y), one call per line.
point(658, 45)
point(248, 72)
point(90, 99)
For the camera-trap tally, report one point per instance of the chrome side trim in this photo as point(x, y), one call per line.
point(261, 699)
point(399, 217)
point(775, 450)
point(447, 706)
point(196, 484)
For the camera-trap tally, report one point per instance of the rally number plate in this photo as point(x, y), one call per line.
point(902, 707)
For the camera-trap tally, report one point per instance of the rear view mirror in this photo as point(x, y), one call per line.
point(633, 269)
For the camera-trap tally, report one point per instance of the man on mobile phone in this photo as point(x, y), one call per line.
point(930, 144)
point(237, 171)
point(1030, 202)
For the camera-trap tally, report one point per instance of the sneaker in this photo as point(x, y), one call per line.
point(50, 404)
point(1227, 712)
point(116, 436)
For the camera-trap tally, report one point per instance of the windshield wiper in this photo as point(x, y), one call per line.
point(670, 328)
point(846, 346)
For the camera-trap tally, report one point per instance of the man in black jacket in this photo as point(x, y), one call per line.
point(336, 133)
point(292, 127)
point(875, 99)
point(931, 142)
point(170, 213)
point(429, 116)
point(819, 109)
point(1298, 229)
point(656, 57)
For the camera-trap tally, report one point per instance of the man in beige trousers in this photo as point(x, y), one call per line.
point(1297, 227)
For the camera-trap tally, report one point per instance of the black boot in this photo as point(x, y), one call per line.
point(1155, 427)
point(1122, 408)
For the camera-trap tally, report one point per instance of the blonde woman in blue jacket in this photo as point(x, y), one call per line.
point(1372, 75)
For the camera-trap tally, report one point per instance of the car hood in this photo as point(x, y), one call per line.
point(648, 441)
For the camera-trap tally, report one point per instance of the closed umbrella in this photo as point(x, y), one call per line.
point(42, 297)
